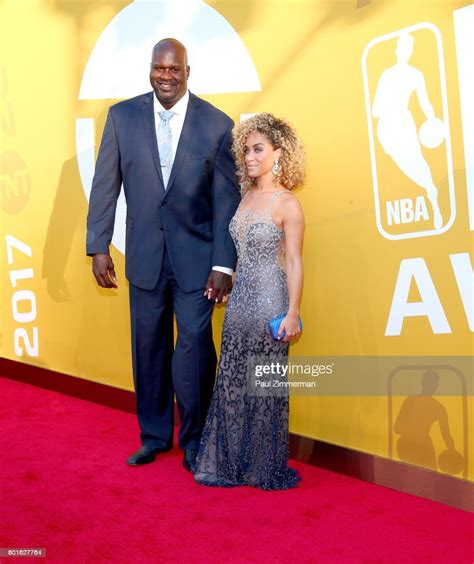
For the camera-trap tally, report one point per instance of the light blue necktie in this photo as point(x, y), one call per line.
point(165, 145)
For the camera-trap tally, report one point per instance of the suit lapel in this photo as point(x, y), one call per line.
point(189, 126)
point(149, 123)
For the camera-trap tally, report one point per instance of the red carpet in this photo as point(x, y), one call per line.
point(65, 487)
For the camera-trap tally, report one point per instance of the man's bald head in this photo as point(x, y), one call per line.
point(171, 43)
point(169, 71)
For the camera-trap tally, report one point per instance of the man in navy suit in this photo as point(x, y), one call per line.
point(179, 254)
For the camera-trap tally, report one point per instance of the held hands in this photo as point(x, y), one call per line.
point(218, 286)
point(104, 271)
point(289, 327)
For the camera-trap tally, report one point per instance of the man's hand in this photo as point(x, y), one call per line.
point(218, 285)
point(104, 271)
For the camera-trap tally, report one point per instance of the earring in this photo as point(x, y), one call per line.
point(275, 168)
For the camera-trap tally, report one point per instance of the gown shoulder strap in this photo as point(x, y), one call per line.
point(274, 196)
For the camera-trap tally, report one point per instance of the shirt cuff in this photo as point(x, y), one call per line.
point(223, 269)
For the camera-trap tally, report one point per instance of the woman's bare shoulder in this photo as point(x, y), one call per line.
point(288, 200)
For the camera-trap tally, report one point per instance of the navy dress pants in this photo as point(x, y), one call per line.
point(161, 369)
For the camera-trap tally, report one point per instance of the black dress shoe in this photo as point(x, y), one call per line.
point(189, 460)
point(144, 455)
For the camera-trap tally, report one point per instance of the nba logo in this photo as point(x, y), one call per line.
point(409, 136)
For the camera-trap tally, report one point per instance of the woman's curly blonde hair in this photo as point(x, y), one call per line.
point(281, 135)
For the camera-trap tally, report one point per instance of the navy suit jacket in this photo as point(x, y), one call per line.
point(191, 217)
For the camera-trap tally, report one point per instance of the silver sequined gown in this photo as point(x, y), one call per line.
point(245, 438)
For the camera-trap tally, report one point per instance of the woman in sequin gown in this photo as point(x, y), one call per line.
point(245, 438)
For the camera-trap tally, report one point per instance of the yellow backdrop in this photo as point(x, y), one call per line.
point(380, 278)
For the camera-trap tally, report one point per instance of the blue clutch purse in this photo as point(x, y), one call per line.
point(274, 325)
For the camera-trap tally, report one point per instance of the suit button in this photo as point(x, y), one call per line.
point(163, 204)
point(162, 228)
